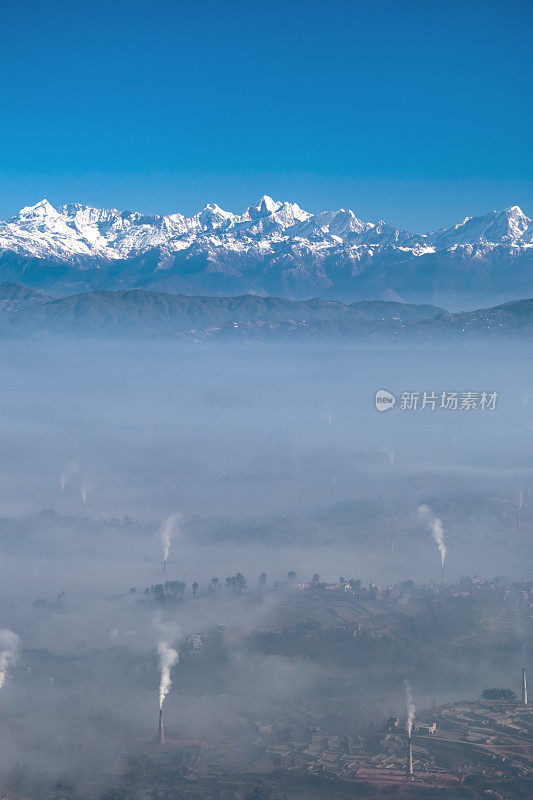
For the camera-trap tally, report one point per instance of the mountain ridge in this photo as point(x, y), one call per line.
point(141, 313)
point(272, 248)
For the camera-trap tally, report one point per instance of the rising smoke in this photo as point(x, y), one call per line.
point(85, 488)
point(68, 473)
point(9, 654)
point(167, 531)
point(520, 507)
point(410, 706)
point(167, 658)
point(436, 528)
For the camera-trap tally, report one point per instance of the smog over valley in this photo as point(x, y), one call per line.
point(266, 505)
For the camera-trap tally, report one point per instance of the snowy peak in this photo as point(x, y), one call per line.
point(506, 225)
point(263, 208)
point(342, 222)
point(517, 222)
point(496, 227)
point(212, 217)
point(269, 216)
point(38, 211)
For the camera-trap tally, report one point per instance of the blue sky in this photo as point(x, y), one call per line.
point(416, 112)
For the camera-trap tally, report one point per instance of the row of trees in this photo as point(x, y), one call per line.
point(167, 592)
point(171, 591)
point(499, 694)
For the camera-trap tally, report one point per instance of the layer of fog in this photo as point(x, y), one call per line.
point(276, 460)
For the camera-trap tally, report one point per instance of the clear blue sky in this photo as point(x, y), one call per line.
point(415, 112)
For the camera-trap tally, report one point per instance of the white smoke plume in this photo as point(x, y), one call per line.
point(85, 488)
point(391, 455)
point(410, 706)
point(9, 653)
point(436, 528)
point(520, 507)
point(68, 473)
point(167, 531)
point(167, 658)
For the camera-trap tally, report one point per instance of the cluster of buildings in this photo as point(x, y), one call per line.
point(486, 740)
point(349, 757)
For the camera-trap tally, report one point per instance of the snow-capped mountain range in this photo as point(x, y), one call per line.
point(272, 248)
